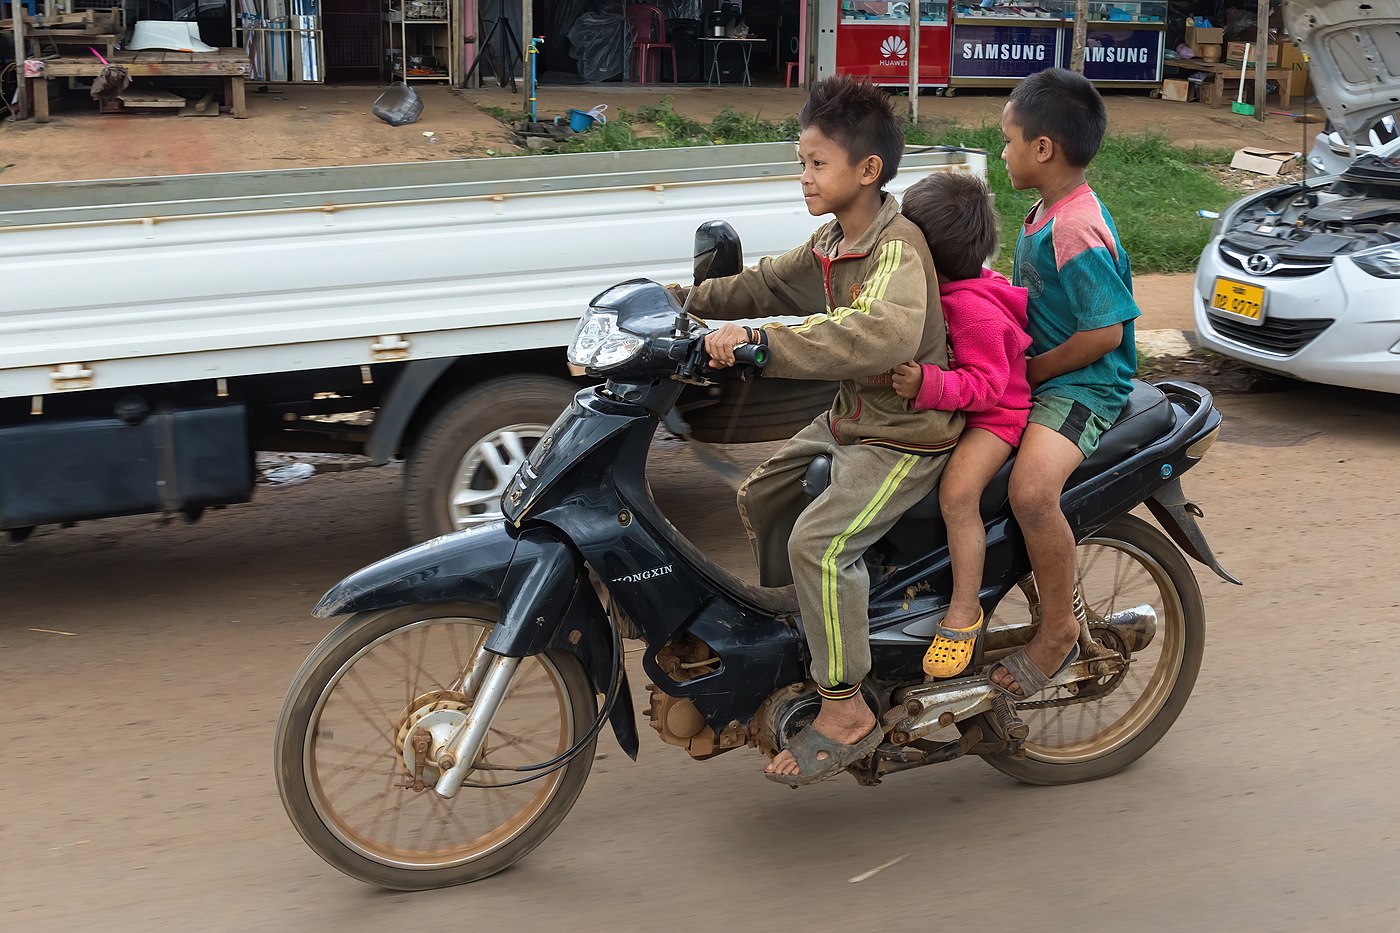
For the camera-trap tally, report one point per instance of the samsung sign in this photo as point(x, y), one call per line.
point(1116, 56)
point(1013, 52)
point(1006, 52)
point(1003, 51)
point(1124, 55)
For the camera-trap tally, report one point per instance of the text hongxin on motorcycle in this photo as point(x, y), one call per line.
point(447, 727)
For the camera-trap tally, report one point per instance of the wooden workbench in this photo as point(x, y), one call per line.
point(229, 64)
point(1225, 79)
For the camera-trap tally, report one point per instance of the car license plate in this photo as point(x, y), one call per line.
point(1238, 299)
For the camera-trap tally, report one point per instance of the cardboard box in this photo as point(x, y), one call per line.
point(1292, 58)
point(1176, 89)
point(1262, 161)
point(1197, 37)
point(1234, 54)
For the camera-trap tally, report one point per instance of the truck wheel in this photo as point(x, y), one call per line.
point(758, 411)
point(471, 449)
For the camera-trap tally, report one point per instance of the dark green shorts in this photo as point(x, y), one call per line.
point(1071, 419)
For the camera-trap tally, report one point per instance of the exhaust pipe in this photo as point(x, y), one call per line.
point(926, 708)
point(1136, 626)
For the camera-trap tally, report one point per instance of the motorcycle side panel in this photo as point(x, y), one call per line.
point(538, 589)
point(587, 632)
point(468, 565)
point(629, 547)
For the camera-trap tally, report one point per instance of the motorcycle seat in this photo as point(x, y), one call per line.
point(1146, 417)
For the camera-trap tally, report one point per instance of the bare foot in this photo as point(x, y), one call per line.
point(1047, 650)
point(842, 721)
point(962, 616)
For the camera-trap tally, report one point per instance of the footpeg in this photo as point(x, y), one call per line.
point(1010, 725)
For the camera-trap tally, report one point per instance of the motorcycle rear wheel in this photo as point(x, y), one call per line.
point(1127, 563)
point(341, 734)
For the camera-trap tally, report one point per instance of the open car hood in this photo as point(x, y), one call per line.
point(1353, 48)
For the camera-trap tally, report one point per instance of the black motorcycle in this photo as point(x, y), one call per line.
point(446, 728)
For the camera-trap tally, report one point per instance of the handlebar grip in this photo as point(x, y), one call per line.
point(753, 354)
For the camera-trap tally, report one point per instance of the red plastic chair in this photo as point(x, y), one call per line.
point(650, 26)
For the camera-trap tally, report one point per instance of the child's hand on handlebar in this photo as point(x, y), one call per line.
point(907, 379)
point(720, 344)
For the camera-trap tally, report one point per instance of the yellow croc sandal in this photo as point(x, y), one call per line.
point(951, 650)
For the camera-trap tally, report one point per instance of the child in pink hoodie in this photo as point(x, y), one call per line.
point(986, 379)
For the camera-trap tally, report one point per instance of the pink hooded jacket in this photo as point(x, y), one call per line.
point(987, 350)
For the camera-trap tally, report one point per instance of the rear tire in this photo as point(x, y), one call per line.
point(521, 408)
point(1182, 643)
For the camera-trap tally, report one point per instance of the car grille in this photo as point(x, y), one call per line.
point(1293, 267)
point(1284, 336)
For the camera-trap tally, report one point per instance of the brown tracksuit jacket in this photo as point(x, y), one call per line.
point(882, 308)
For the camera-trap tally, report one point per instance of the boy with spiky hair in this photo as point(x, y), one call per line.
point(1082, 358)
point(870, 270)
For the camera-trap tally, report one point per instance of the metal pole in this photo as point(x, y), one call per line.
point(17, 13)
point(527, 31)
point(914, 62)
point(1261, 63)
point(1081, 34)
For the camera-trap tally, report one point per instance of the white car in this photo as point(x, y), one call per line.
point(1304, 279)
point(1331, 154)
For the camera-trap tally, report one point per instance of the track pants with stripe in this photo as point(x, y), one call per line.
point(818, 544)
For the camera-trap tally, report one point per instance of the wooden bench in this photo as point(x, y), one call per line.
point(106, 43)
point(229, 64)
point(1223, 83)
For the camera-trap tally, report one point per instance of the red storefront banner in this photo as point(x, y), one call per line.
point(880, 51)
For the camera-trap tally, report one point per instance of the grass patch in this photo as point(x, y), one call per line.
point(503, 114)
point(1151, 187)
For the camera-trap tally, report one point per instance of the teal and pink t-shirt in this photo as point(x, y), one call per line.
point(1077, 277)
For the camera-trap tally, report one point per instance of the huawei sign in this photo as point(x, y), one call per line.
point(893, 48)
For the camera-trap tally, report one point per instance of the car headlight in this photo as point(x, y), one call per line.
point(1381, 261)
point(599, 344)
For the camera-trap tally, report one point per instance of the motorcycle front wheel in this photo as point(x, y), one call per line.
point(346, 770)
point(1101, 727)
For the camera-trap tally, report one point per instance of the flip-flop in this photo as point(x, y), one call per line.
point(807, 744)
point(1027, 676)
point(951, 650)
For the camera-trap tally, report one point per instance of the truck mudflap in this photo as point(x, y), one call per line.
point(1177, 515)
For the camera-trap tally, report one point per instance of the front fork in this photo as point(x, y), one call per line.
point(485, 687)
point(545, 591)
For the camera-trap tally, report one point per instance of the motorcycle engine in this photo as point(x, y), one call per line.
point(783, 715)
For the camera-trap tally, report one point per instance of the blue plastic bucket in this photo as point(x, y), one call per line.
point(580, 121)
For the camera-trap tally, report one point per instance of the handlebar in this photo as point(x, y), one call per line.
point(752, 354)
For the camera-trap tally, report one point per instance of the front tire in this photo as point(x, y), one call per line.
point(1146, 568)
point(339, 750)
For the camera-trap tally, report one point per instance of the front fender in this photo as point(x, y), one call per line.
point(465, 566)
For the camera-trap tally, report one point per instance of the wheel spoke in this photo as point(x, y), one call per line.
point(380, 730)
point(467, 497)
point(500, 469)
point(515, 446)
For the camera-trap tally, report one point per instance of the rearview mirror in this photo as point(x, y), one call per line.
point(717, 251)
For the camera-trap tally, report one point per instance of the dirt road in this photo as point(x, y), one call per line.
point(143, 666)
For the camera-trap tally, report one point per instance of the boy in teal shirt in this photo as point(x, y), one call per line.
point(1081, 311)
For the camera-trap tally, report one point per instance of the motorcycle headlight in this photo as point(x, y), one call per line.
point(599, 344)
point(1381, 261)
